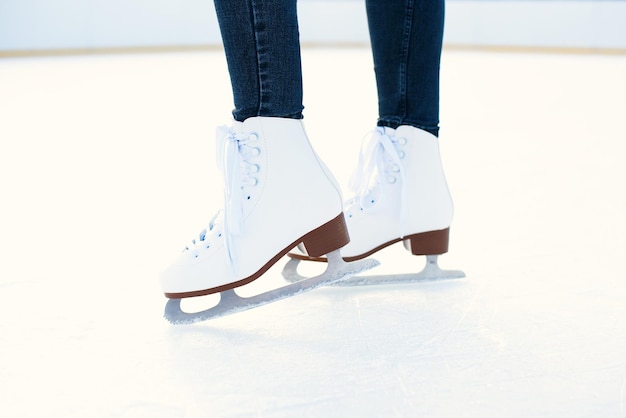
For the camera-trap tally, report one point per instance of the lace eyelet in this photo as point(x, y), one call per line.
point(253, 136)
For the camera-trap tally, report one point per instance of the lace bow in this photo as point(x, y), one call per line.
point(379, 164)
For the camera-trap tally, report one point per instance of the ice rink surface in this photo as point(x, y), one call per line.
point(107, 168)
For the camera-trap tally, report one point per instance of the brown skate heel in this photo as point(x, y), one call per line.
point(329, 237)
point(428, 243)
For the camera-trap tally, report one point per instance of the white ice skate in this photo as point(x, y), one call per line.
point(268, 211)
point(401, 194)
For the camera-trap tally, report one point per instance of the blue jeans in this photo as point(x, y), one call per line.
point(262, 46)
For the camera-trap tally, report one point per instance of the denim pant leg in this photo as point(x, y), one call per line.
point(262, 46)
point(406, 37)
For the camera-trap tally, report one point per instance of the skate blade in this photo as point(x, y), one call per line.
point(431, 272)
point(230, 302)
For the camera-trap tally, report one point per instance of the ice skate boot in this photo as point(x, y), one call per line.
point(268, 210)
point(400, 194)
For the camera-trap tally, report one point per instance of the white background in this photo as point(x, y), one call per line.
point(27, 25)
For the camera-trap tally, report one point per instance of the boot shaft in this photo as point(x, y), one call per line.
point(427, 196)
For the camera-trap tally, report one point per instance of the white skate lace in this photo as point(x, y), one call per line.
point(202, 236)
point(233, 151)
point(379, 164)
